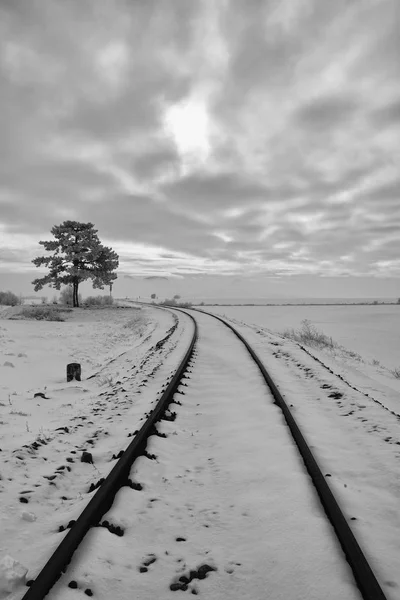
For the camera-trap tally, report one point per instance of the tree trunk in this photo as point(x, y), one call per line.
point(75, 295)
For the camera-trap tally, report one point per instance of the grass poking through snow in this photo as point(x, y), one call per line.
point(42, 313)
point(310, 336)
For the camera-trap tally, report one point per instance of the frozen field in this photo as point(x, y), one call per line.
point(371, 331)
point(46, 424)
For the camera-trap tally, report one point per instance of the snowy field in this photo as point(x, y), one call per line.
point(46, 423)
point(352, 423)
point(371, 331)
point(226, 490)
point(368, 339)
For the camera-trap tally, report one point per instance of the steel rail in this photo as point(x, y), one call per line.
point(103, 498)
point(363, 574)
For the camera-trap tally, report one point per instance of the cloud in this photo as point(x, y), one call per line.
point(388, 115)
point(326, 112)
point(216, 191)
point(202, 137)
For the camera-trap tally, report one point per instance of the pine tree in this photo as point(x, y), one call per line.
point(78, 255)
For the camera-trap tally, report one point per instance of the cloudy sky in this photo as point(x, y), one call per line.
point(243, 147)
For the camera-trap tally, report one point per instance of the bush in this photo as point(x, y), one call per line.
point(67, 296)
point(310, 335)
point(42, 313)
point(396, 373)
point(98, 301)
point(9, 299)
point(173, 302)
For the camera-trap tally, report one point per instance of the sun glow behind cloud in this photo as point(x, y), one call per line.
point(188, 124)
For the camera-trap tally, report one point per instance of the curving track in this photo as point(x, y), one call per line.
point(216, 498)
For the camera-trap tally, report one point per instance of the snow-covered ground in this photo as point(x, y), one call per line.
point(368, 339)
point(227, 488)
point(43, 484)
point(371, 331)
point(350, 413)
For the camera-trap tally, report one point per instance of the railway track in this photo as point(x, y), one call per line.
point(255, 485)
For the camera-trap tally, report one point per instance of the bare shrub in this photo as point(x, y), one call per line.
point(310, 336)
point(9, 299)
point(354, 355)
point(41, 313)
point(173, 302)
point(99, 301)
point(396, 372)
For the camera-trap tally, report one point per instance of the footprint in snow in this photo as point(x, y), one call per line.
point(149, 560)
point(184, 580)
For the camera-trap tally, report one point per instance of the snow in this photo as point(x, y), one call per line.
point(368, 338)
point(43, 483)
point(227, 488)
point(12, 573)
point(371, 331)
point(355, 435)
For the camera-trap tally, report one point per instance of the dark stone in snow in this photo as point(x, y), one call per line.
point(134, 485)
point(178, 586)
point(24, 500)
point(72, 584)
point(203, 570)
point(87, 458)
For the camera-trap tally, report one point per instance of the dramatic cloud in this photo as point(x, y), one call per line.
point(247, 140)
